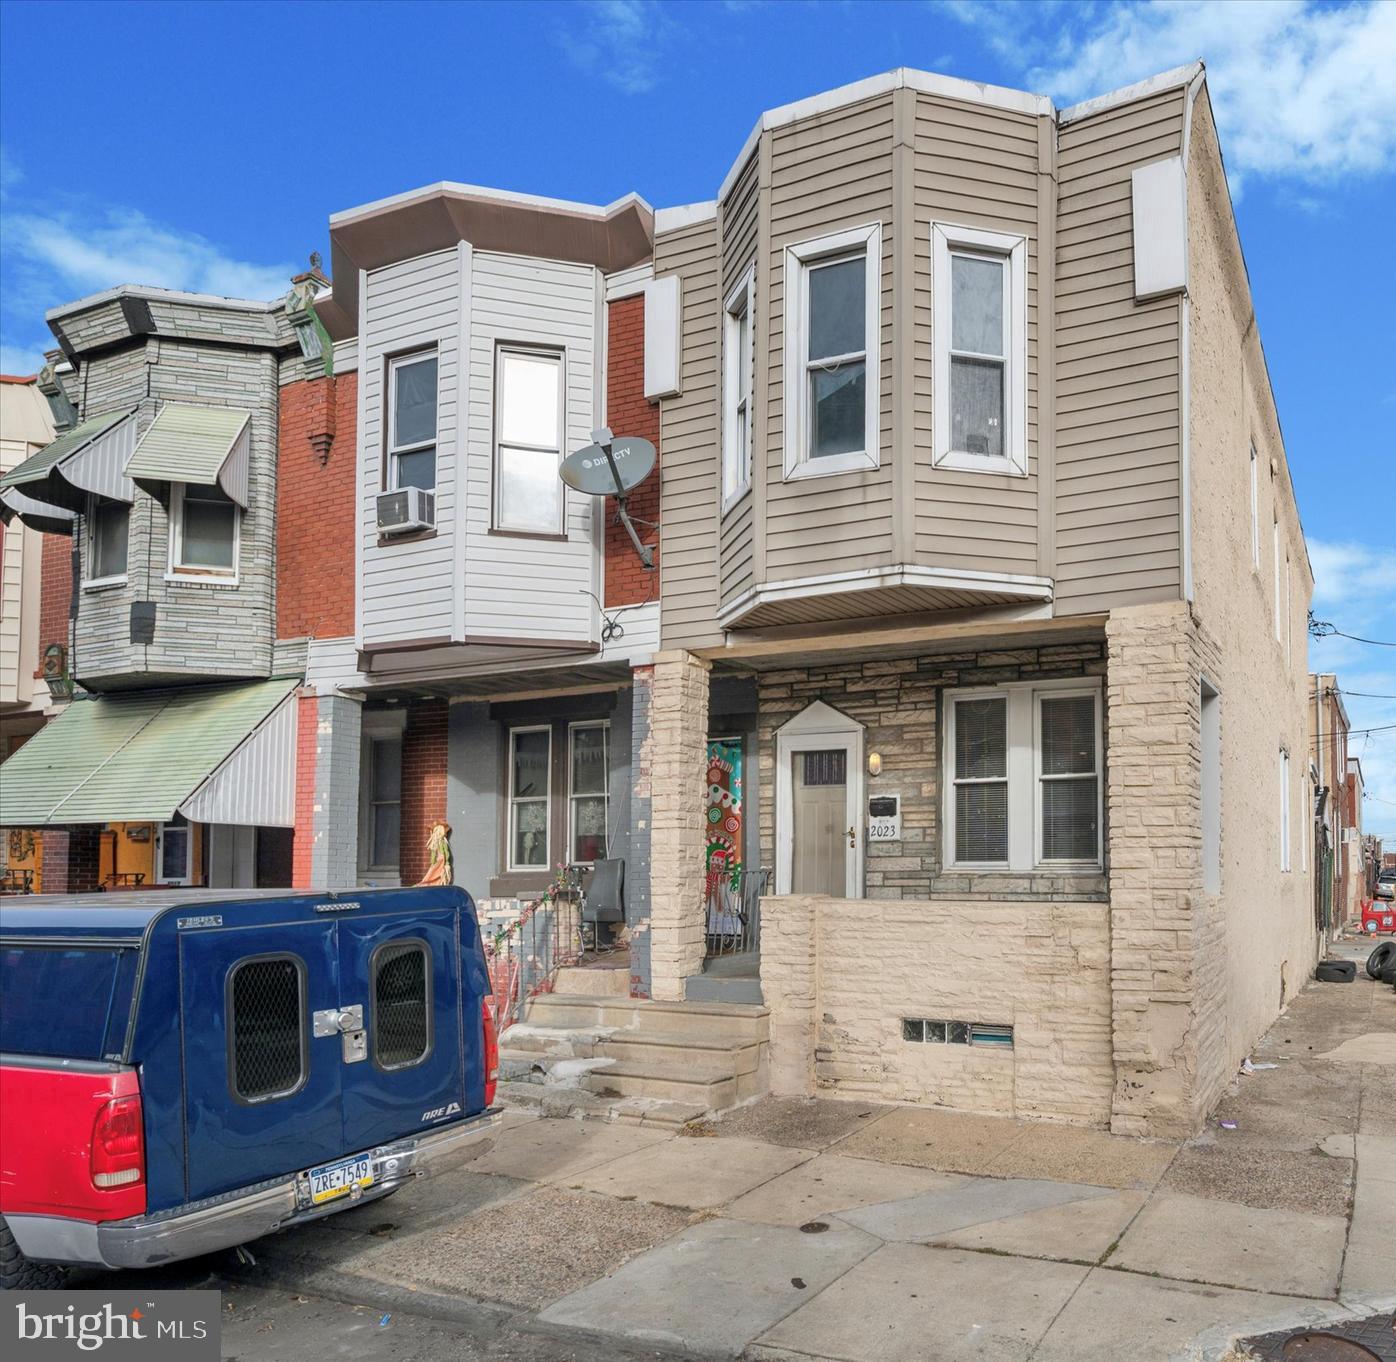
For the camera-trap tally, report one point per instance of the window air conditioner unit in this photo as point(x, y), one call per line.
point(406, 509)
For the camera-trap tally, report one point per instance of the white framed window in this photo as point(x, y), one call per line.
point(1278, 608)
point(1255, 510)
point(833, 333)
point(979, 296)
point(412, 420)
point(204, 523)
point(1285, 796)
point(737, 374)
point(530, 764)
point(1024, 785)
point(1289, 612)
point(588, 790)
point(528, 434)
point(174, 851)
point(108, 533)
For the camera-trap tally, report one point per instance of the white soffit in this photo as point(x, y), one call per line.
point(1160, 229)
point(662, 328)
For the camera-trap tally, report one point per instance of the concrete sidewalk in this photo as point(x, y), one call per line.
point(796, 1230)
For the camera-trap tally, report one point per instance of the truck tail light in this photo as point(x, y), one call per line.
point(491, 1052)
point(118, 1144)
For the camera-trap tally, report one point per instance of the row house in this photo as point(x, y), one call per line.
point(948, 706)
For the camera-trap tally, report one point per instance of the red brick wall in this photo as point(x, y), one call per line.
point(55, 592)
point(71, 859)
point(303, 837)
point(628, 413)
point(423, 783)
point(315, 508)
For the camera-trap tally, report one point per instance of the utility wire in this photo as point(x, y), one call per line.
point(1323, 629)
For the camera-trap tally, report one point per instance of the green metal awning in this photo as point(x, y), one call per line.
point(204, 445)
point(83, 462)
point(227, 752)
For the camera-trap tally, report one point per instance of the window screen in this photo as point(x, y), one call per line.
point(267, 1024)
point(528, 493)
point(209, 529)
point(1070, 793)
point(981, 780)
point(110, 526)
point(412, 421)
point(837, 360)
point(401, 1005)
point(977, 362)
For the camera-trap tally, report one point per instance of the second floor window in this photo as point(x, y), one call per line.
point(979, 334)
point(832, 323)
point(203, 531)
point(528, 494)
point(412, 421)
point(108, 528)
point(736, 392)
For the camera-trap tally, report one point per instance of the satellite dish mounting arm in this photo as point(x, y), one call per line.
point(603, 437)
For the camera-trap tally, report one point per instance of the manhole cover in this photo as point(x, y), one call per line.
point(1325, 1348)
point(813, 1227)
point(1361, 1340)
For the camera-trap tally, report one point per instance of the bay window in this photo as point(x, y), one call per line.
point(832, 344)
point(412, 421)
point(736, 391)
point(1024, 777)
point(979, 301)
point(588, 793)
point(203, 531)
point(528, 494)
point(108, 529)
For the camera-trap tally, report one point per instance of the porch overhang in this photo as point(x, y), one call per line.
point(216, 754)
point(900, 589)
point(37, 515)
point(187, 443)
point(84, 462)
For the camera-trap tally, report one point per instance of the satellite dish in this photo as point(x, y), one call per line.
point(609, 469)
point(613, 467)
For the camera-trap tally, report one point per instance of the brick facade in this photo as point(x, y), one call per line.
point(303, 843)
point(71, 862)
point(423, 783)
point(315, 510)
point(897, 702)
point(55, 593)
point(629, 413)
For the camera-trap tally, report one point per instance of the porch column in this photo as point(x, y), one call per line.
point(678, 749)
point(70, 859)
point(1167, 961)
point(334, 856)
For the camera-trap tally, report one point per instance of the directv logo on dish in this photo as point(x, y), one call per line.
point(186, 1320)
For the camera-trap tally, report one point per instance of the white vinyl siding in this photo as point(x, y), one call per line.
point(529, 391)
point(1024, 785)
point(832, 353)
point(980, 358)
point(739, 317)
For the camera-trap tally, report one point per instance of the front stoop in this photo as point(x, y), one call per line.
point(632, 1059)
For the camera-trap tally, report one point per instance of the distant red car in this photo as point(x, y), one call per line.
point(1378, 915)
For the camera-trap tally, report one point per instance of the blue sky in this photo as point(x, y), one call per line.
point(203, 146)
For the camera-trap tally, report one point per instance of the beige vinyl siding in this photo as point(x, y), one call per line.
point(688, 441)
point(974, 167)
point(739, 216)
point(1117, 375)
point(828, 173)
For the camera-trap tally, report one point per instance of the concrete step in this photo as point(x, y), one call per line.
point(712, 1089)
point(526, 1039)
point(711, 1020)
point(715, 988)
point(593, 983)
point(578, 1102)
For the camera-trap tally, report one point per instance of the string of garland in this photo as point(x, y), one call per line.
point(500, 937)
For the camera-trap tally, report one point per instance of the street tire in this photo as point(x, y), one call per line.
point(17, 1273)
point(1380, 958)
point(1336, 971)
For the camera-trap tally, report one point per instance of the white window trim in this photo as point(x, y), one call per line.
point(545, 799)
point(741, 301)
point(1024, 775)
point(1255, 509)
point(553, 352)
point(160, 876)
point(1285, 862)
point(393, 451)
point(573, 796)
point(89, 557)
point(798, 258)
point(1278, 635)
point(947, 239)
point(175, 571)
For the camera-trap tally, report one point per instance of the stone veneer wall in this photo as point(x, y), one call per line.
point(897, 702)
point(839, 975)
point(678, 745)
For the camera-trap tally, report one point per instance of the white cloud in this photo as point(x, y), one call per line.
point(621, 42)
point(1300, 89)
point(1355, 578)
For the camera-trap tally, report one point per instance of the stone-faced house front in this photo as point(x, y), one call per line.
point(975, 493)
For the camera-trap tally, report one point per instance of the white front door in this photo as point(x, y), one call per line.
point(819, 802)
point(232, 856)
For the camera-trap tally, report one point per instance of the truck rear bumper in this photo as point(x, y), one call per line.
point(241, 1216)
